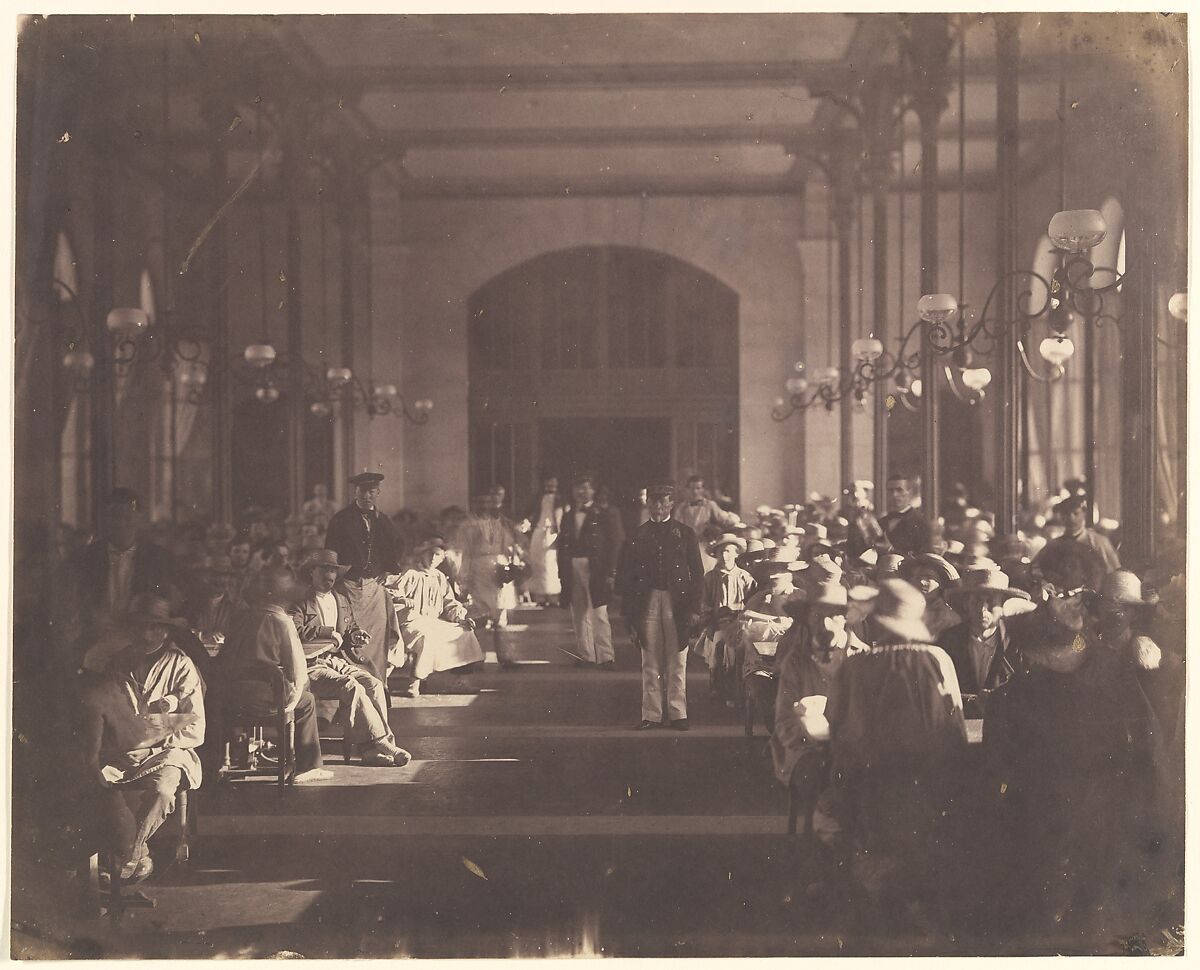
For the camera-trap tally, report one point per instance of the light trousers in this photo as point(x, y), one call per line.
point(593, 632)
point(664, 665)
point(362, 704)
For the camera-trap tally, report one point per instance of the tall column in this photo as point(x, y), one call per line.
point(843, 222)
point(101, 299)
point(881, 129)
point(292, 174)
point(1008, 369)
point(928, 48)
point(219, 374)
point(1139, 376)
point(348, 220)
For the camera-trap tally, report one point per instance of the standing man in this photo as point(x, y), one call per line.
point(366, 541)
point(906, 528)
point(1073, 513)
point(588, 545)
point(661, 581)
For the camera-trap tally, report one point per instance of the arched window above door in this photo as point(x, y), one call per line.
point(603, 307)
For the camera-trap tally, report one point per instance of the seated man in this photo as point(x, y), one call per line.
point(765, 620)
point(263, 646)
point(435, 628)
point(216, 603)
point(726, 589)
point(895, 721)
point(142, 719)
point(322, 620)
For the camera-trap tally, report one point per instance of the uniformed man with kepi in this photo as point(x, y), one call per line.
point(660, 579)
point(366, 540)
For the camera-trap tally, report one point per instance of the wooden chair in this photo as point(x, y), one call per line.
point(283, 721)
point(119, 896)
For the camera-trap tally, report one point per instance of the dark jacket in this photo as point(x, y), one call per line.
point(369, 556)
point(307, 617)
point(908, 531)
point(154, 571)
point(685, 573)
point(1006, 661)
point(599, 541)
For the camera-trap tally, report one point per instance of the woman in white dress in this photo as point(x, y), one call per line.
point(546, 518)
point(489, 540)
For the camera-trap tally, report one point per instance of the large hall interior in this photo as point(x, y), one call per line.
point(600, 484)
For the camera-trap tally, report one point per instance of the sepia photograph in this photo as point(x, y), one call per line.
point(641, 484)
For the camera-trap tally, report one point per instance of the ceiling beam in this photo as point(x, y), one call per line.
point(641, 135)
point(652, 187)
point(826, 74)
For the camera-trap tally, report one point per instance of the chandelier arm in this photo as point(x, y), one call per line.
point(415, 417)
point(905, 398)
point(782, 414)
point(974, 397)
point(1056, 374)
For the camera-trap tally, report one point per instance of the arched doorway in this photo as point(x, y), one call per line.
point(614, 358)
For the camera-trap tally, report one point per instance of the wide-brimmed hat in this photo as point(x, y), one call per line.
point(325, 559)
point(949, 576)
point(729, 540)
point(817, 531)
point(149, 608)
point(1124, 588)
point(987, 582)
point(366, 478)
point(899, 609)
point(830, 596)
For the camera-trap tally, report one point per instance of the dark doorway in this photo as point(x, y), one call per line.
point(627, 454)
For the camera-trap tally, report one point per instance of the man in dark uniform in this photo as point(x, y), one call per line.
point(661, 580)
point(906, 528)
point(367, 541)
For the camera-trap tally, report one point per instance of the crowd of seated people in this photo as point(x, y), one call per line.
point(965, 715)
point(946, 700)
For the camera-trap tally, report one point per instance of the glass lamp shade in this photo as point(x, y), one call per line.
point(796, 385)
point(798, 367)
point(192, 376)
point(1056, 350)
point(127, 321)
point(1177, 306)
point(780, 402)
point(867, 349)
point(384, 390)
point(79, 362)
point(268, 393)
point(339, 376)
point(915, 388)
point(936, 307)
point(424, 405)
point(976, 378)
point(259, 355)
point(829, 376)
point(320, 409)
point(1077, 230)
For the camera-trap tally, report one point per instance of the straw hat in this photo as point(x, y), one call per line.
point(992, 583)
point(1124, 588)
point(324, 558)
point(728, 539)
point(948, 575)
point(899, 608)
